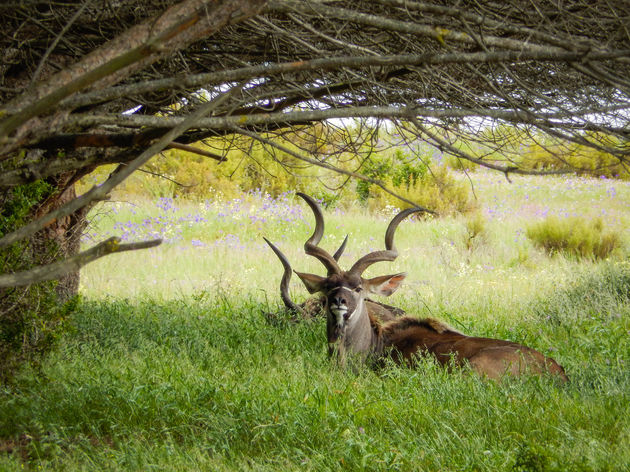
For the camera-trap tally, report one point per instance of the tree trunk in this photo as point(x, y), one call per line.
point(64, 233)
point(32, 317)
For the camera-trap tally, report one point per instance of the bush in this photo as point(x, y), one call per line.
point(602, 293)
point(250, 167)
point(32, 317)
point(476, 230)
point(436, 190)
point(574, 236)
point(583, 160)
point(461, 165)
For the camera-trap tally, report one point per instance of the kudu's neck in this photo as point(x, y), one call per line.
point(360, 336)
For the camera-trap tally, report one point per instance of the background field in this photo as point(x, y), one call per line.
point(171, 364)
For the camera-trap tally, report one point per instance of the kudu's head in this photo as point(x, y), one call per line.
point(348, 323)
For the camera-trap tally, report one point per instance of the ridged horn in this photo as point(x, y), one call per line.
point(311, 245)
point(342, 248)
point(286, 278)
point(390, 252)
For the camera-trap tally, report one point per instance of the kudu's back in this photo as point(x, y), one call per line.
point(408, 337)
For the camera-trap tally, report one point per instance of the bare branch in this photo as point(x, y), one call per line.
point(463, 67)
point(57, 39)
point(327, 166)
point(143, 44)
point(335, 63)
point(58, 269)
point(162, 176)
point(547, 119)
point(118, 176)
point(194, 150)
point(435, 32)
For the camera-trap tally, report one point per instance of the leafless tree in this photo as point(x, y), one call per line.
point(85, 83)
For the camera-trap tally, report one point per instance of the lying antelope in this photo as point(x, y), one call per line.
point(352, 330)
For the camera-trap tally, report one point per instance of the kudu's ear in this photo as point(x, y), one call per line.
point(385, 284)
point(314, 283)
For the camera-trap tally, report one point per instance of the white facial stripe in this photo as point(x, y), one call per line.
point(352, 319)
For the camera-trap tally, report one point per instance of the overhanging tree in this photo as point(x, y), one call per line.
point(88, 83)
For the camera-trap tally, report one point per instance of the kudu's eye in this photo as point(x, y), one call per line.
point(358, 289)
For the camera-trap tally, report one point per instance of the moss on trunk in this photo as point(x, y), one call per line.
point(32, 317)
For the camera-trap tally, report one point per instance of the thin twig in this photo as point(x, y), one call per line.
point(52, 47)
point(325, 165)
point(194, 150)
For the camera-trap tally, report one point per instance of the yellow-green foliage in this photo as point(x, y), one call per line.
point(575, 236)
point(545, 155)
point(467, 148)
point(436, 189)
point(476, 230)
point(33, 317)
point(509, 145)
point(248, 166)
point(460, 164)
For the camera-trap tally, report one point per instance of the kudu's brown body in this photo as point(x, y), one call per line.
point(353, 330)
point(407, 337)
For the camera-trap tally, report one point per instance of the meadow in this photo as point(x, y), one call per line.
point(171, 363)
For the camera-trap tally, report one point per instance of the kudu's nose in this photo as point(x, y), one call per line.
point(339, 300)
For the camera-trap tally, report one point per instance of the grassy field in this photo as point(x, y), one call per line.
point(171, 364)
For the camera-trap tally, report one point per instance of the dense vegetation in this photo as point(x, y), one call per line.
point(172, 363)
point(194, 385)
point(171, 360)
point(27, 331)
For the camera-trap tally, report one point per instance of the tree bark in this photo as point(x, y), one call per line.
point(31, 317)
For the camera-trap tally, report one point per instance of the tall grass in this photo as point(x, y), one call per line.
point(194, 385)
point(172, 365)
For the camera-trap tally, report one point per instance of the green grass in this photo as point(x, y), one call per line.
point(171, 363)
point(194, 385)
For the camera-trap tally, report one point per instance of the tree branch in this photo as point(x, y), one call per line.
point(440, 35)
point(143, 44)
point(442, 144)
point(118, 176)
point(307, 116)
point(58, 269)
point(195, 150)
point(327, 166)
point(333, 63)
point(57, 39)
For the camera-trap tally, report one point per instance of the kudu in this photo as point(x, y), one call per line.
point(351, 329)
point(312, 307)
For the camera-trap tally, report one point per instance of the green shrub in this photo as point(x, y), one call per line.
point(601, 294)
point(544, 154)
point(475, 226)
point(436, 190)
point(378, 169)
point(574, 236)
point(32, 317)
point(248, 166)
point(462, 165)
